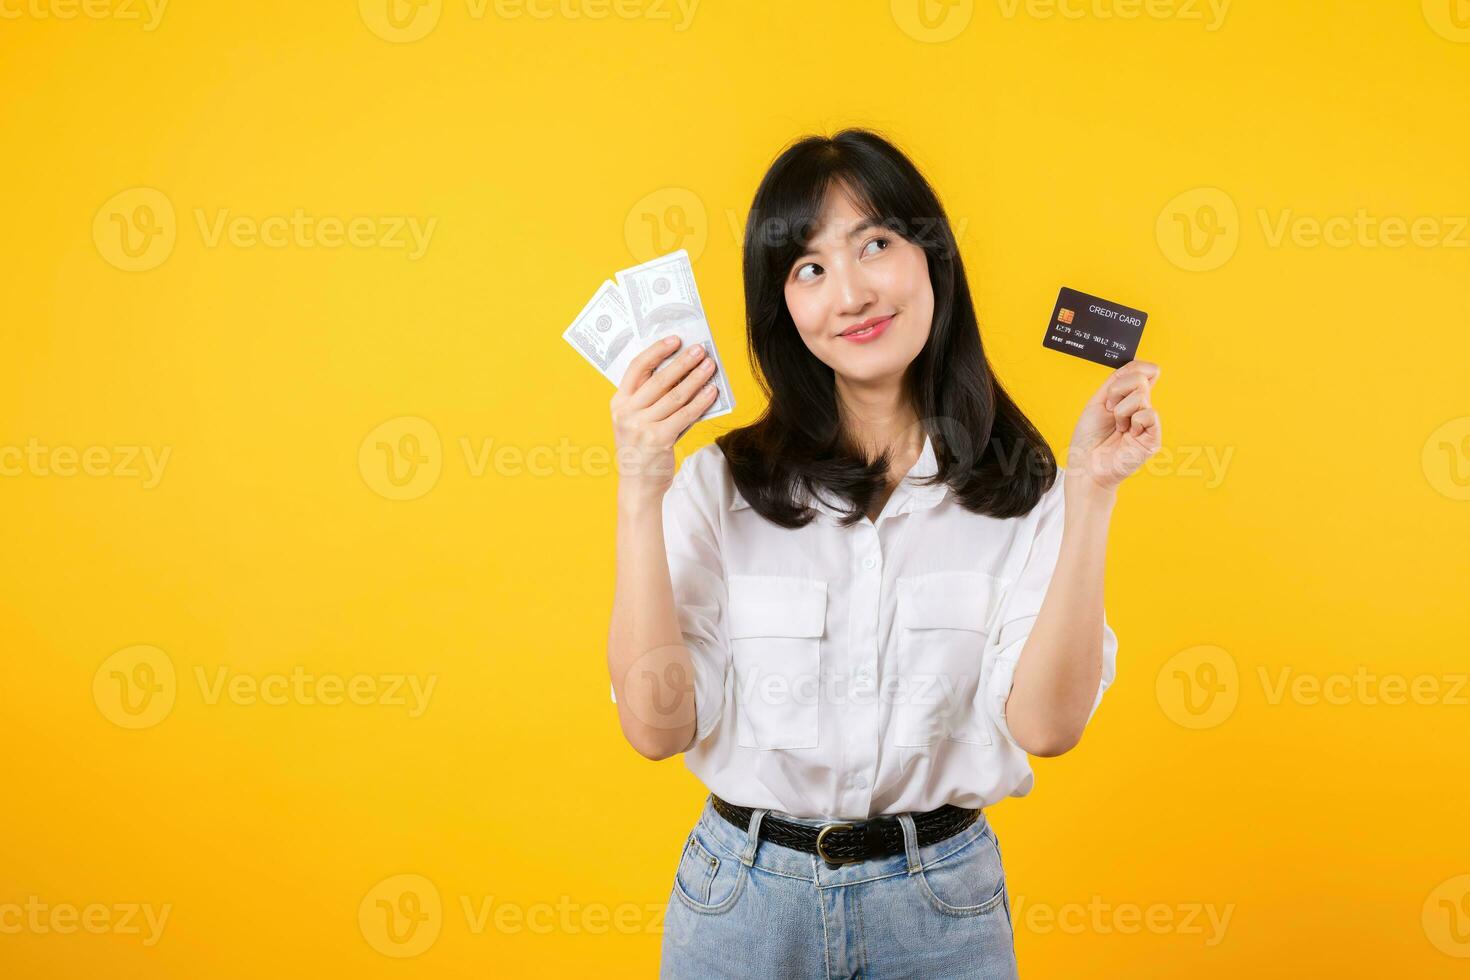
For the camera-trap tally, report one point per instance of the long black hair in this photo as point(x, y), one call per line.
point(989, 453)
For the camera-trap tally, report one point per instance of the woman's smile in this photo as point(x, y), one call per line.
point(868, 330)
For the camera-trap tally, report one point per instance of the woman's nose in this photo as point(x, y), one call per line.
point(854, 292)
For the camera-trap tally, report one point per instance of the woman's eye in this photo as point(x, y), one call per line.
point(809, 265)
point(875, 242)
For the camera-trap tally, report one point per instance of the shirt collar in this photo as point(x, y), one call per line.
point(908, 496)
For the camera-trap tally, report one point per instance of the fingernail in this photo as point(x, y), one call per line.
point(671, 341)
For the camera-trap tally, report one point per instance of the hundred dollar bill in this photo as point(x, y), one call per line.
point(662, 299)
point(603, 332)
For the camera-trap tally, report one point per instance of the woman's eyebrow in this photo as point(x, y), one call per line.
point(857, 230)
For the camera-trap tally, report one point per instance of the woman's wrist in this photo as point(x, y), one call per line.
point(1086, 497)
point(635, 501)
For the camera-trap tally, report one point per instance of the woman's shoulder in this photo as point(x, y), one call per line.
point(704, 476)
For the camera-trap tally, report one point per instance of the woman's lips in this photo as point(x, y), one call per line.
point(870, 333)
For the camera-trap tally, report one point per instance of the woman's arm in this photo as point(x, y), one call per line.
point(1055, 684)
point(1056, 679)
point(651, 670)
point(646, 657)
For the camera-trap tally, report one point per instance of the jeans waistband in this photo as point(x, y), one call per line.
point(764, 854)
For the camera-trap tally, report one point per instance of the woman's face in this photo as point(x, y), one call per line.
point(855, 273)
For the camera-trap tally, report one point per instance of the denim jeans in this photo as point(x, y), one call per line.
point(745, 907)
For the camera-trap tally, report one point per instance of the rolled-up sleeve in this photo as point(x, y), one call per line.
point(696, 571)
point(1019, 610)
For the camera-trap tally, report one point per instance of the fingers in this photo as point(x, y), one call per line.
point(665, 378)
point(1116, 385)
point(1124, 411)
point(1133, 376)
point(1148, 369)
point(1145, 427)
point(686, 389)
point(642, 366)
point(678, 423)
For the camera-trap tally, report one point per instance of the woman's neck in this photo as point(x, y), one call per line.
point(881, 419)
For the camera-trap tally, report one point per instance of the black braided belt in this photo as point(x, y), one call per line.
point(844, 843)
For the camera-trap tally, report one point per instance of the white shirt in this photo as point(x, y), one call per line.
point(842, 673)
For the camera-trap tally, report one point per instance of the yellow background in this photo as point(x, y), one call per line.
point(542, 147)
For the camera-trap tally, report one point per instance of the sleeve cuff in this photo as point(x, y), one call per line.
point(998, 691)
point(999, 688)
point(709, 696)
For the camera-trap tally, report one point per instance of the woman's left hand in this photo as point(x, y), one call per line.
point(1118, 430)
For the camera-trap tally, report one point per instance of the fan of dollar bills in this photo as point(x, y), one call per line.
point(645, 304)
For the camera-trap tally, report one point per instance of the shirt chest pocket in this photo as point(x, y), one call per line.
point(945, 620)
point(775, 628)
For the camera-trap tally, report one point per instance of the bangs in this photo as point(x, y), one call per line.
point(785, 227)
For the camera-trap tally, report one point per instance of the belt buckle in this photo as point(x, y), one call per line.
point(833, 862)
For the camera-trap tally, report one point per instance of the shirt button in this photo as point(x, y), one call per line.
point(861, 782)
point(865, 675)
point(869, 562)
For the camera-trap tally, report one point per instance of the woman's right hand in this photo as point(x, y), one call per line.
point(651, 410)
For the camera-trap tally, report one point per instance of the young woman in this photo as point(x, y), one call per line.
point(858, 615)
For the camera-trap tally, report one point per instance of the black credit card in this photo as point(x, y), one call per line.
point(1094, 329)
